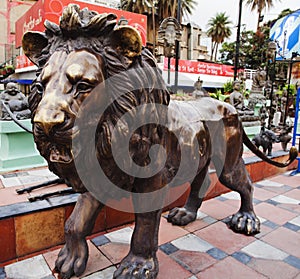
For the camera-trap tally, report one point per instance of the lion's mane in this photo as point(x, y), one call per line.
point(75, 32)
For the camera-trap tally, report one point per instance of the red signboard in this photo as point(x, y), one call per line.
point(197, 67)
point(52, 10)
point(23, 62)
point(33, 19)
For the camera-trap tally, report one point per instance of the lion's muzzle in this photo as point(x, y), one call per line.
point(51, 112)
point(48, 119)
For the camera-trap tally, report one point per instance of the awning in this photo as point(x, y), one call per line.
point(187, 79)
point(20, 81)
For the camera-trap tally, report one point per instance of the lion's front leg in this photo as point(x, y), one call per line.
point(141, 262)
point(73, 256)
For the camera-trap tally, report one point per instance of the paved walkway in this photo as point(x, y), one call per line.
point(205, 248)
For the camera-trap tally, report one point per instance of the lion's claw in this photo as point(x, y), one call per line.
point(136, 267)
point(244, 222)
point(72, 260)
point(181, 216)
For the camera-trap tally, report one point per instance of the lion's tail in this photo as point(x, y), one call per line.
point(292, 155)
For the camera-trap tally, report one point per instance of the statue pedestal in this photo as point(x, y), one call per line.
point(17, 147)
point(251, 131)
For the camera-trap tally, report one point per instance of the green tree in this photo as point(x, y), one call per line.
point(253, 47)
point(218, 29)
point(260, 5)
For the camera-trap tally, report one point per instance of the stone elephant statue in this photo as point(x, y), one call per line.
point(265, 139)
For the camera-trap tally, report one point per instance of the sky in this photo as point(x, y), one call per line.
point(208, 9)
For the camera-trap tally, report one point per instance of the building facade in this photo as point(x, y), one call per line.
point(10, 12)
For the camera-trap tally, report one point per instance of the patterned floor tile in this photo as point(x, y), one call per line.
point(41, 172)
point(292, 227)
point(201, 222)
point(279, 190)
point(193, 261)
point(115, 252)
point(287, 179)
point(30, 180)
point(284, 239)
point(274, 213)
point(168, 232)
point(285, 199)
point(293, 261)
point(169, 268)
point(263, 194)
point(273, 269)
point(11, 182)
point(34, 268)
point(217, 253)
point(2, 273)
point(263, 231)
point(270, 224)
point(168, 248)
point(229, 268)
point(191, 242)
point(241, 257)
point(97, 261)
point(295, 221)
point(262, 250)
point(294, 194)
point(120, 236)
point(218, 235)
point(232, 195)
point(269, 183)
point(104, 274)
point(203, 249)
point(217, 209)
point(100, 240)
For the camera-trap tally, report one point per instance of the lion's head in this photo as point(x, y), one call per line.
point(76, 60)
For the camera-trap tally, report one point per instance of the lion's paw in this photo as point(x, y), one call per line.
point(181, 216)
point(72, 260)
point(244, 222)
point(136, 267)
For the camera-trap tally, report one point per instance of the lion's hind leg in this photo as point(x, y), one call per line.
point(187, 214)
point(237, 179)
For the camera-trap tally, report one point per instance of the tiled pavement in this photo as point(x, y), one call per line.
point(205, 248)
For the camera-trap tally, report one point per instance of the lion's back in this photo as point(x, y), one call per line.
point(202, 109)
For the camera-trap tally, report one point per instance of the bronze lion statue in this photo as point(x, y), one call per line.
point(83, 65)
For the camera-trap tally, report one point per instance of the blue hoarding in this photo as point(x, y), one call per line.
point(286, 33)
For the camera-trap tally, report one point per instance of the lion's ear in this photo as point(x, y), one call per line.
point(127, 40)
point(33, 44)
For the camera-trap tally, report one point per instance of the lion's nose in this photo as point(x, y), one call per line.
point(48, 119)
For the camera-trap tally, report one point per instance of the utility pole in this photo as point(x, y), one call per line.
point(177, 49)
point(237, 46)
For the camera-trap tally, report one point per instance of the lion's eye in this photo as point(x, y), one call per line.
point(40, 88)
point(83, 87)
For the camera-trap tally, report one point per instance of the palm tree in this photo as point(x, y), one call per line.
point(218, 30)
point(156, 11)
point(260, 5)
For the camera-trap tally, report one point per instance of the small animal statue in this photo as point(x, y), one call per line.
point(284, 137)
point(265, 139)
point(100, 110)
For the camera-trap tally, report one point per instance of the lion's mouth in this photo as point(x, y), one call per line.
point(60, 154)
